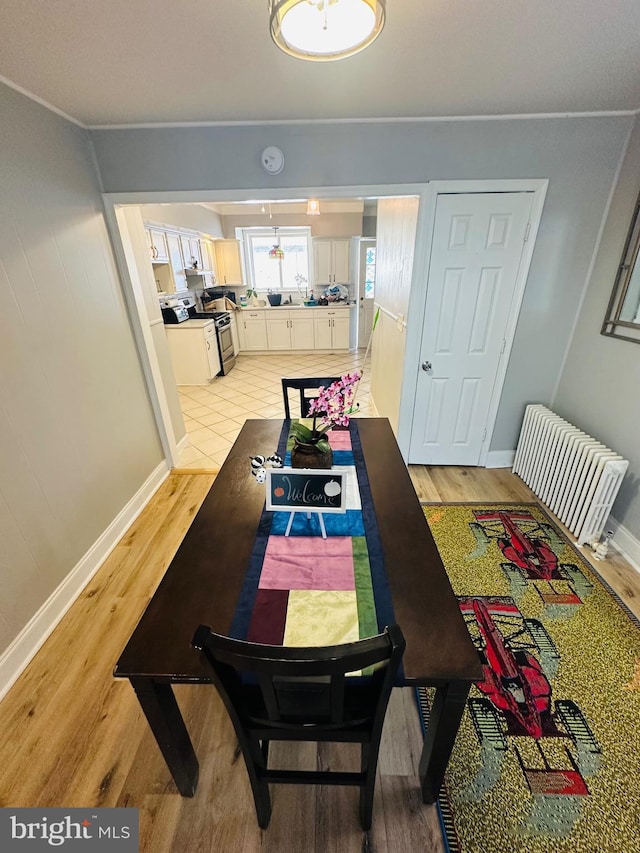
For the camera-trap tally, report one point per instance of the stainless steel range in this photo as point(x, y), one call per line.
point(222, 320)
point(178, 309)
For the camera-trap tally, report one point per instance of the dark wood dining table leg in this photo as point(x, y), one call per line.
point(444, 722)
point(159, 704)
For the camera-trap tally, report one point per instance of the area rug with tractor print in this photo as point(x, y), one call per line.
point(547, 759)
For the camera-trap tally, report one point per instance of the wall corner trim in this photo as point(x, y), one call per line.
point(625, 542)
point(23, 648)
point(500, 459)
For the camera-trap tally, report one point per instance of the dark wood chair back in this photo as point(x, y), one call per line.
point(305, 694)
point(304, 386)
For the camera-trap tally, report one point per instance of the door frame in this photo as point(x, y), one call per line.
point(418, 297)
point(363, 243)
point(120, 239)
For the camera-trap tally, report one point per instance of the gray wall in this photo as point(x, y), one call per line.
point(579, 156)
point(600, 385)
point(77, 436)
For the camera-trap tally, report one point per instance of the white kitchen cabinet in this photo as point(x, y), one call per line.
point(157, 246)
point(194, 351)
point(302, 328)
point(331, 262)
point(207, 254)
point(252, 330)
point(331, 328)
point(290, 330)
point(176, 261)
point(341, 330)
point(191, 251)
point(278, 332)
point(228, 263)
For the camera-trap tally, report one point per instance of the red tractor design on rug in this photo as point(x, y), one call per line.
point(551, 739)
point(531, 549)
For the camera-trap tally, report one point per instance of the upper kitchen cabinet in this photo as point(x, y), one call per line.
point(331, 261)
point(228, 263)
point(191, 251)
point(209, 270)
point(177, 261)
point(157, 246)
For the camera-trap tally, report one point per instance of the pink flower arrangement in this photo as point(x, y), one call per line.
point(332, 407)
point(335, 403)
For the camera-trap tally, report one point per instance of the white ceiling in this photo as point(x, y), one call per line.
point(154, 61)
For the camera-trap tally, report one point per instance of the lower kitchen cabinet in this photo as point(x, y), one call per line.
point(252, 330)
point(290, 330)
point(194, 351)
point(331, 328)
point(279, 329)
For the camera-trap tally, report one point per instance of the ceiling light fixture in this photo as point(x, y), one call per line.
point(313, 207)
point(276, 253)
point(323, 30)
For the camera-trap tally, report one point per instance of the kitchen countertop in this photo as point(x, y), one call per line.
point(294, 306)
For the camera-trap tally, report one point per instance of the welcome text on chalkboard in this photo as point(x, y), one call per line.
point(308, 491)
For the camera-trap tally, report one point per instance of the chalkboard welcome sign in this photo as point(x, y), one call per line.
point(305, 490)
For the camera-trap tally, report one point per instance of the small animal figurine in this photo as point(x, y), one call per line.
point(259, 464)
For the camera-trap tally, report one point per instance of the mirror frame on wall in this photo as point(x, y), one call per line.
point(622, 319)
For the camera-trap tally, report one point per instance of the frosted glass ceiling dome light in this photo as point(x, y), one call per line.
point(323, 30)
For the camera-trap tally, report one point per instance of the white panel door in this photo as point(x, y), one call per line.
point(478, 242)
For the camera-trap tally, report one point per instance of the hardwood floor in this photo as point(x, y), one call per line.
point(74, 736)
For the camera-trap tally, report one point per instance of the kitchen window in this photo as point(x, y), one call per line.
point(266, 273)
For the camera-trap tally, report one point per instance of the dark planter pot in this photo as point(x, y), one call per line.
point(308, 456)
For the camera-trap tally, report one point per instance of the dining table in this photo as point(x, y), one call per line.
point(207, 578)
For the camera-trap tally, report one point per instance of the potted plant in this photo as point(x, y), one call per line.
point(331, 408)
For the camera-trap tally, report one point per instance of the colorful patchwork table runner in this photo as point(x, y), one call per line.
point(303, 590)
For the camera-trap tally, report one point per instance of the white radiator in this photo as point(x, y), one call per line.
point(573, 474)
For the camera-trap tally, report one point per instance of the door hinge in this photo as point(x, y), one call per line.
point(526, 233)
point(484, 433)
point(504, 343)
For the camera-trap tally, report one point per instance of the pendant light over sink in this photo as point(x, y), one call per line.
point(324, 30)
point(276, 253)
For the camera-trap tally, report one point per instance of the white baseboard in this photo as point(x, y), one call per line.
point(16, 657)
point(500, 459)
point(625, 542)
point(184, 442)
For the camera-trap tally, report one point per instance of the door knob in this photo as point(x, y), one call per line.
point(426, 366)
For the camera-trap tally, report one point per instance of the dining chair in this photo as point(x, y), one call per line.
point(325, 694)
point(303, 386)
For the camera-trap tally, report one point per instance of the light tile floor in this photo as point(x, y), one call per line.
point(214, 414)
